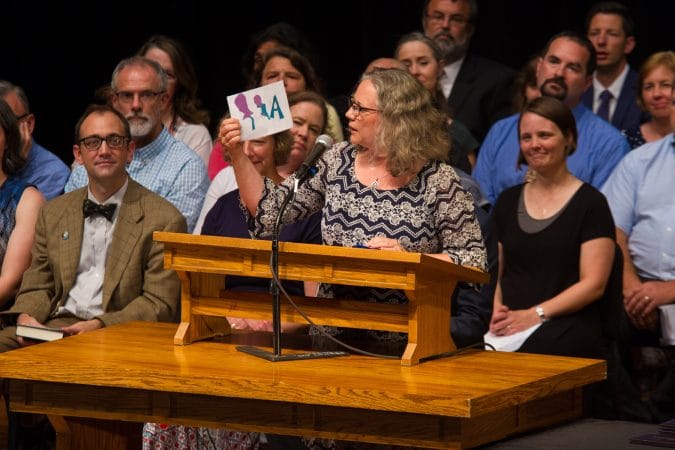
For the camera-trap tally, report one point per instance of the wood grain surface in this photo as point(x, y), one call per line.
point(134, 372)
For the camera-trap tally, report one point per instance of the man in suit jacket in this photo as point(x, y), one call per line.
point(479, 91)
point(611, 30)
point(94, 261)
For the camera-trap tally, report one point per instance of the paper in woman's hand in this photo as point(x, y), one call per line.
point(261, 111)
point(509, 343)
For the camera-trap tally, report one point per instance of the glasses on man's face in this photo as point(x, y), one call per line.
point(438, 18)
point(144, 96)
point(114, 141)
point(358, 109)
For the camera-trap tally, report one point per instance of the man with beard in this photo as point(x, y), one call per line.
point(612, 95)
point(564, 72)
point(478, 89)
point(161, 162)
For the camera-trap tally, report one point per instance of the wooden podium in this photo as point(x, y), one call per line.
point(428, 282)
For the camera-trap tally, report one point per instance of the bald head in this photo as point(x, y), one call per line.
point(384, 63)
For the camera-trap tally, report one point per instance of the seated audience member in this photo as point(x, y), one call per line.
point(279, 34)
point(639, 193)
point(556, 243)
point(19, 206)
point(289, 66)
point(222, 211)
point(104, 233)
point(227, 219)
point(297, 73)
point(612, 95)
point(478, 89)
point(181, 115)
point(43, 169)
point(563, 72)
point(423, 59)
point(525, 85)
point(384, 63)
point(308, 110)
point(654, 86)
point(160, 162)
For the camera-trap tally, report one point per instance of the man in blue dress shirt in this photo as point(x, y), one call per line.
point(43, 169)
point(640, 193)
point(564, 72)
point(640, 196)
point(161, 162)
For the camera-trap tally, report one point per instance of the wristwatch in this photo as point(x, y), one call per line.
point(540, 313)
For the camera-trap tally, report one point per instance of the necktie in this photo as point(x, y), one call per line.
point(603, 109)
point(90, 208)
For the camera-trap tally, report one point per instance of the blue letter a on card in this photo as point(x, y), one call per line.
point(276, 108)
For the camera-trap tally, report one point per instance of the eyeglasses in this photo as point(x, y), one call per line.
point(438, 18)
point(358, 109)
point(144, 97)
point(114, 142)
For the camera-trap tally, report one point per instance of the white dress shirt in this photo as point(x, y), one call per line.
point(85, 299)
point(449, 76)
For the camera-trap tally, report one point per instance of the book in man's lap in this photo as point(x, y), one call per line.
point(38, 333)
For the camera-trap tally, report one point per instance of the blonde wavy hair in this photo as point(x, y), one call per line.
point(411, 129)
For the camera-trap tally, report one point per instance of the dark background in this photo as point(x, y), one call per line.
point(60, 53)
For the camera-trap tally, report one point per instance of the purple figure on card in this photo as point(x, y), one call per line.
point(263, 108)
point(242, 106)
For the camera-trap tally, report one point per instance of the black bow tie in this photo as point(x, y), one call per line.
point(89, 208)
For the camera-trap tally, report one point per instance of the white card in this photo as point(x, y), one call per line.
point(261, 111)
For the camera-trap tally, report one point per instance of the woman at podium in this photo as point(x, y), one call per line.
point(387, 188)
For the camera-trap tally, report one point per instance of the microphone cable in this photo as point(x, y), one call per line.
point(320, 328)
point(342, 344)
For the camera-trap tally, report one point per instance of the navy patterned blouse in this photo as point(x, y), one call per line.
point(432, 214)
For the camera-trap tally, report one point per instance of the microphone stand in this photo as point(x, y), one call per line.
point(276, 301)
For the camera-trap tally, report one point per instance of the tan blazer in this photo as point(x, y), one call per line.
point(135, 287)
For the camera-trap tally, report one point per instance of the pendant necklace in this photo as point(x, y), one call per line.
point(376, 183)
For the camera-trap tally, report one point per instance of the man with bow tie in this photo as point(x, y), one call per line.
point(94, 262)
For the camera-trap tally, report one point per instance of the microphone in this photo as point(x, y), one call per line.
point(307, 169)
